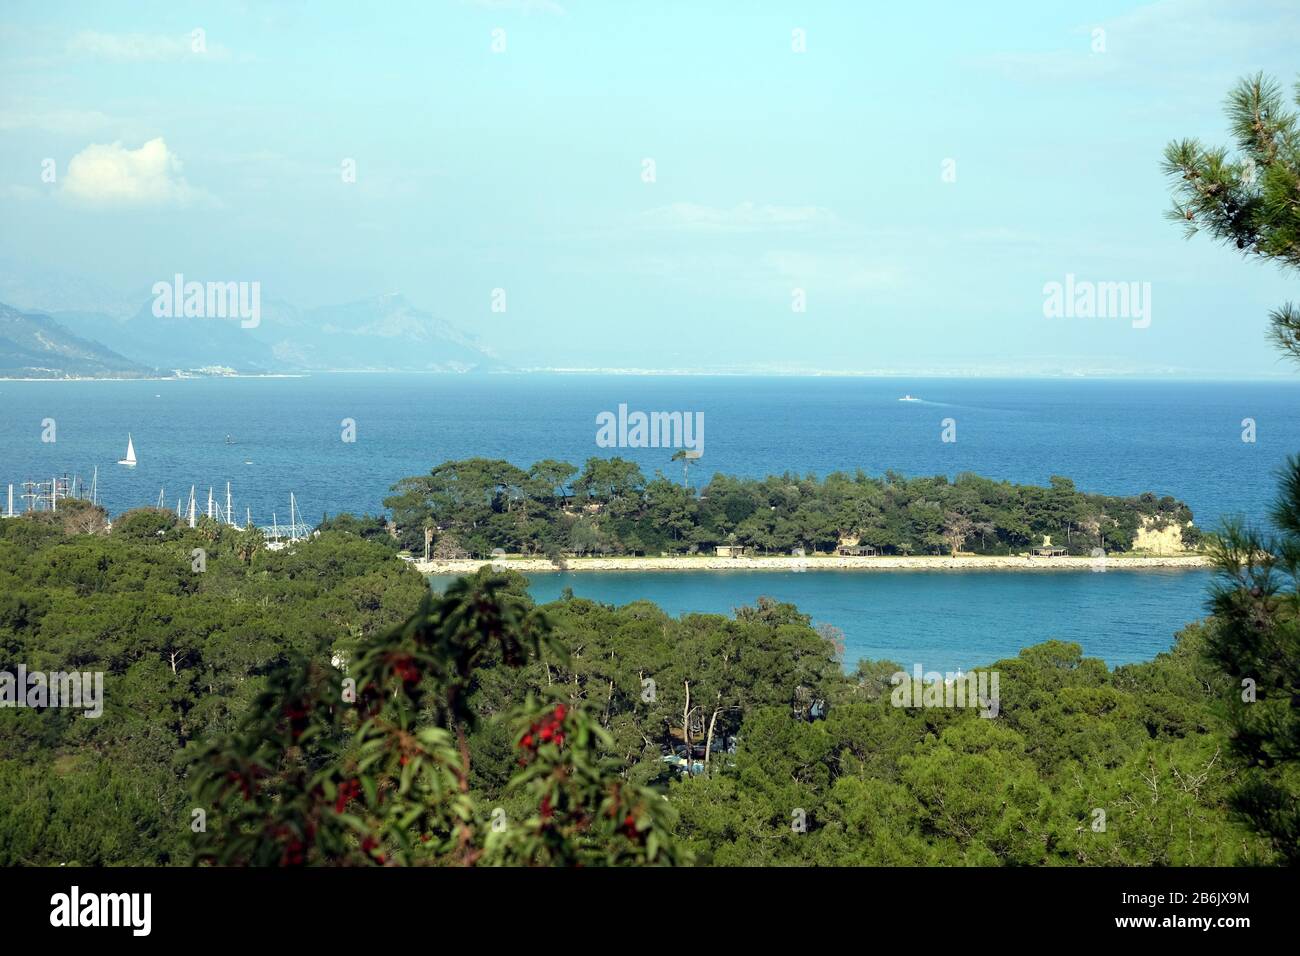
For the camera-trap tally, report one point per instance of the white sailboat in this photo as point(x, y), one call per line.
point(129, 460)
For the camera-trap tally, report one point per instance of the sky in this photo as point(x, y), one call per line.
point(817, 186)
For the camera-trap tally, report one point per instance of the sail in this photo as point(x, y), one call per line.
point(130, 452)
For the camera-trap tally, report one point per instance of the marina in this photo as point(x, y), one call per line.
point(31, 496)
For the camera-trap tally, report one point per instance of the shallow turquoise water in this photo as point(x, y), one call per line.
point(940, 619)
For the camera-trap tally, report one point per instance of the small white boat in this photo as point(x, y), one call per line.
point(909, 398)
point(129, 460)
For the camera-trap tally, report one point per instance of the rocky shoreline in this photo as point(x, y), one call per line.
point(829, 563)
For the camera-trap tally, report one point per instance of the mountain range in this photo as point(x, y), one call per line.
point(383, 333)
point(35, 346)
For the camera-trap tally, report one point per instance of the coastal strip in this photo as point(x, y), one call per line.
point(528, 565)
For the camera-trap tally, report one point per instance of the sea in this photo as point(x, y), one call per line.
point(339, 441)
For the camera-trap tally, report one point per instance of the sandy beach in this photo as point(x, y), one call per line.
point(829, 563)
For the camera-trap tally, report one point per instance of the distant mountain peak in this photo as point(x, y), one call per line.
point(384, 332)
point(34, 345)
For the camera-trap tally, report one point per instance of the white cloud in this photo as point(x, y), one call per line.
point(147, 47)
point(112, 175)
point(746, 217)
point(769, 275)
point(1173, 43)
point(838, 272)
point(70, 122)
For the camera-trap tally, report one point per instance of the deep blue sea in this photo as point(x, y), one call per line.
point(1113, 437)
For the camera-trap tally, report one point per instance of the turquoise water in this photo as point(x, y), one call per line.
point(940, 619)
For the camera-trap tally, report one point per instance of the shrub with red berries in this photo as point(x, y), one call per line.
point(586, 814)
point(548, 730)
point(310, 779)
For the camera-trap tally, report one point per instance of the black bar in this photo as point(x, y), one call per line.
point(362, 906)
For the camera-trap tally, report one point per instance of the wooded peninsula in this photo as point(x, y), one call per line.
point(476, 507)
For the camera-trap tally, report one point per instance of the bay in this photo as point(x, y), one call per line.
point(1110, 436)
point(942, 620)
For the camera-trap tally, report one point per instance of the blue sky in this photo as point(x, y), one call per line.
point(774, 171)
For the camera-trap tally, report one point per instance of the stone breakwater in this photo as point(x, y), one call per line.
point(831, 563)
